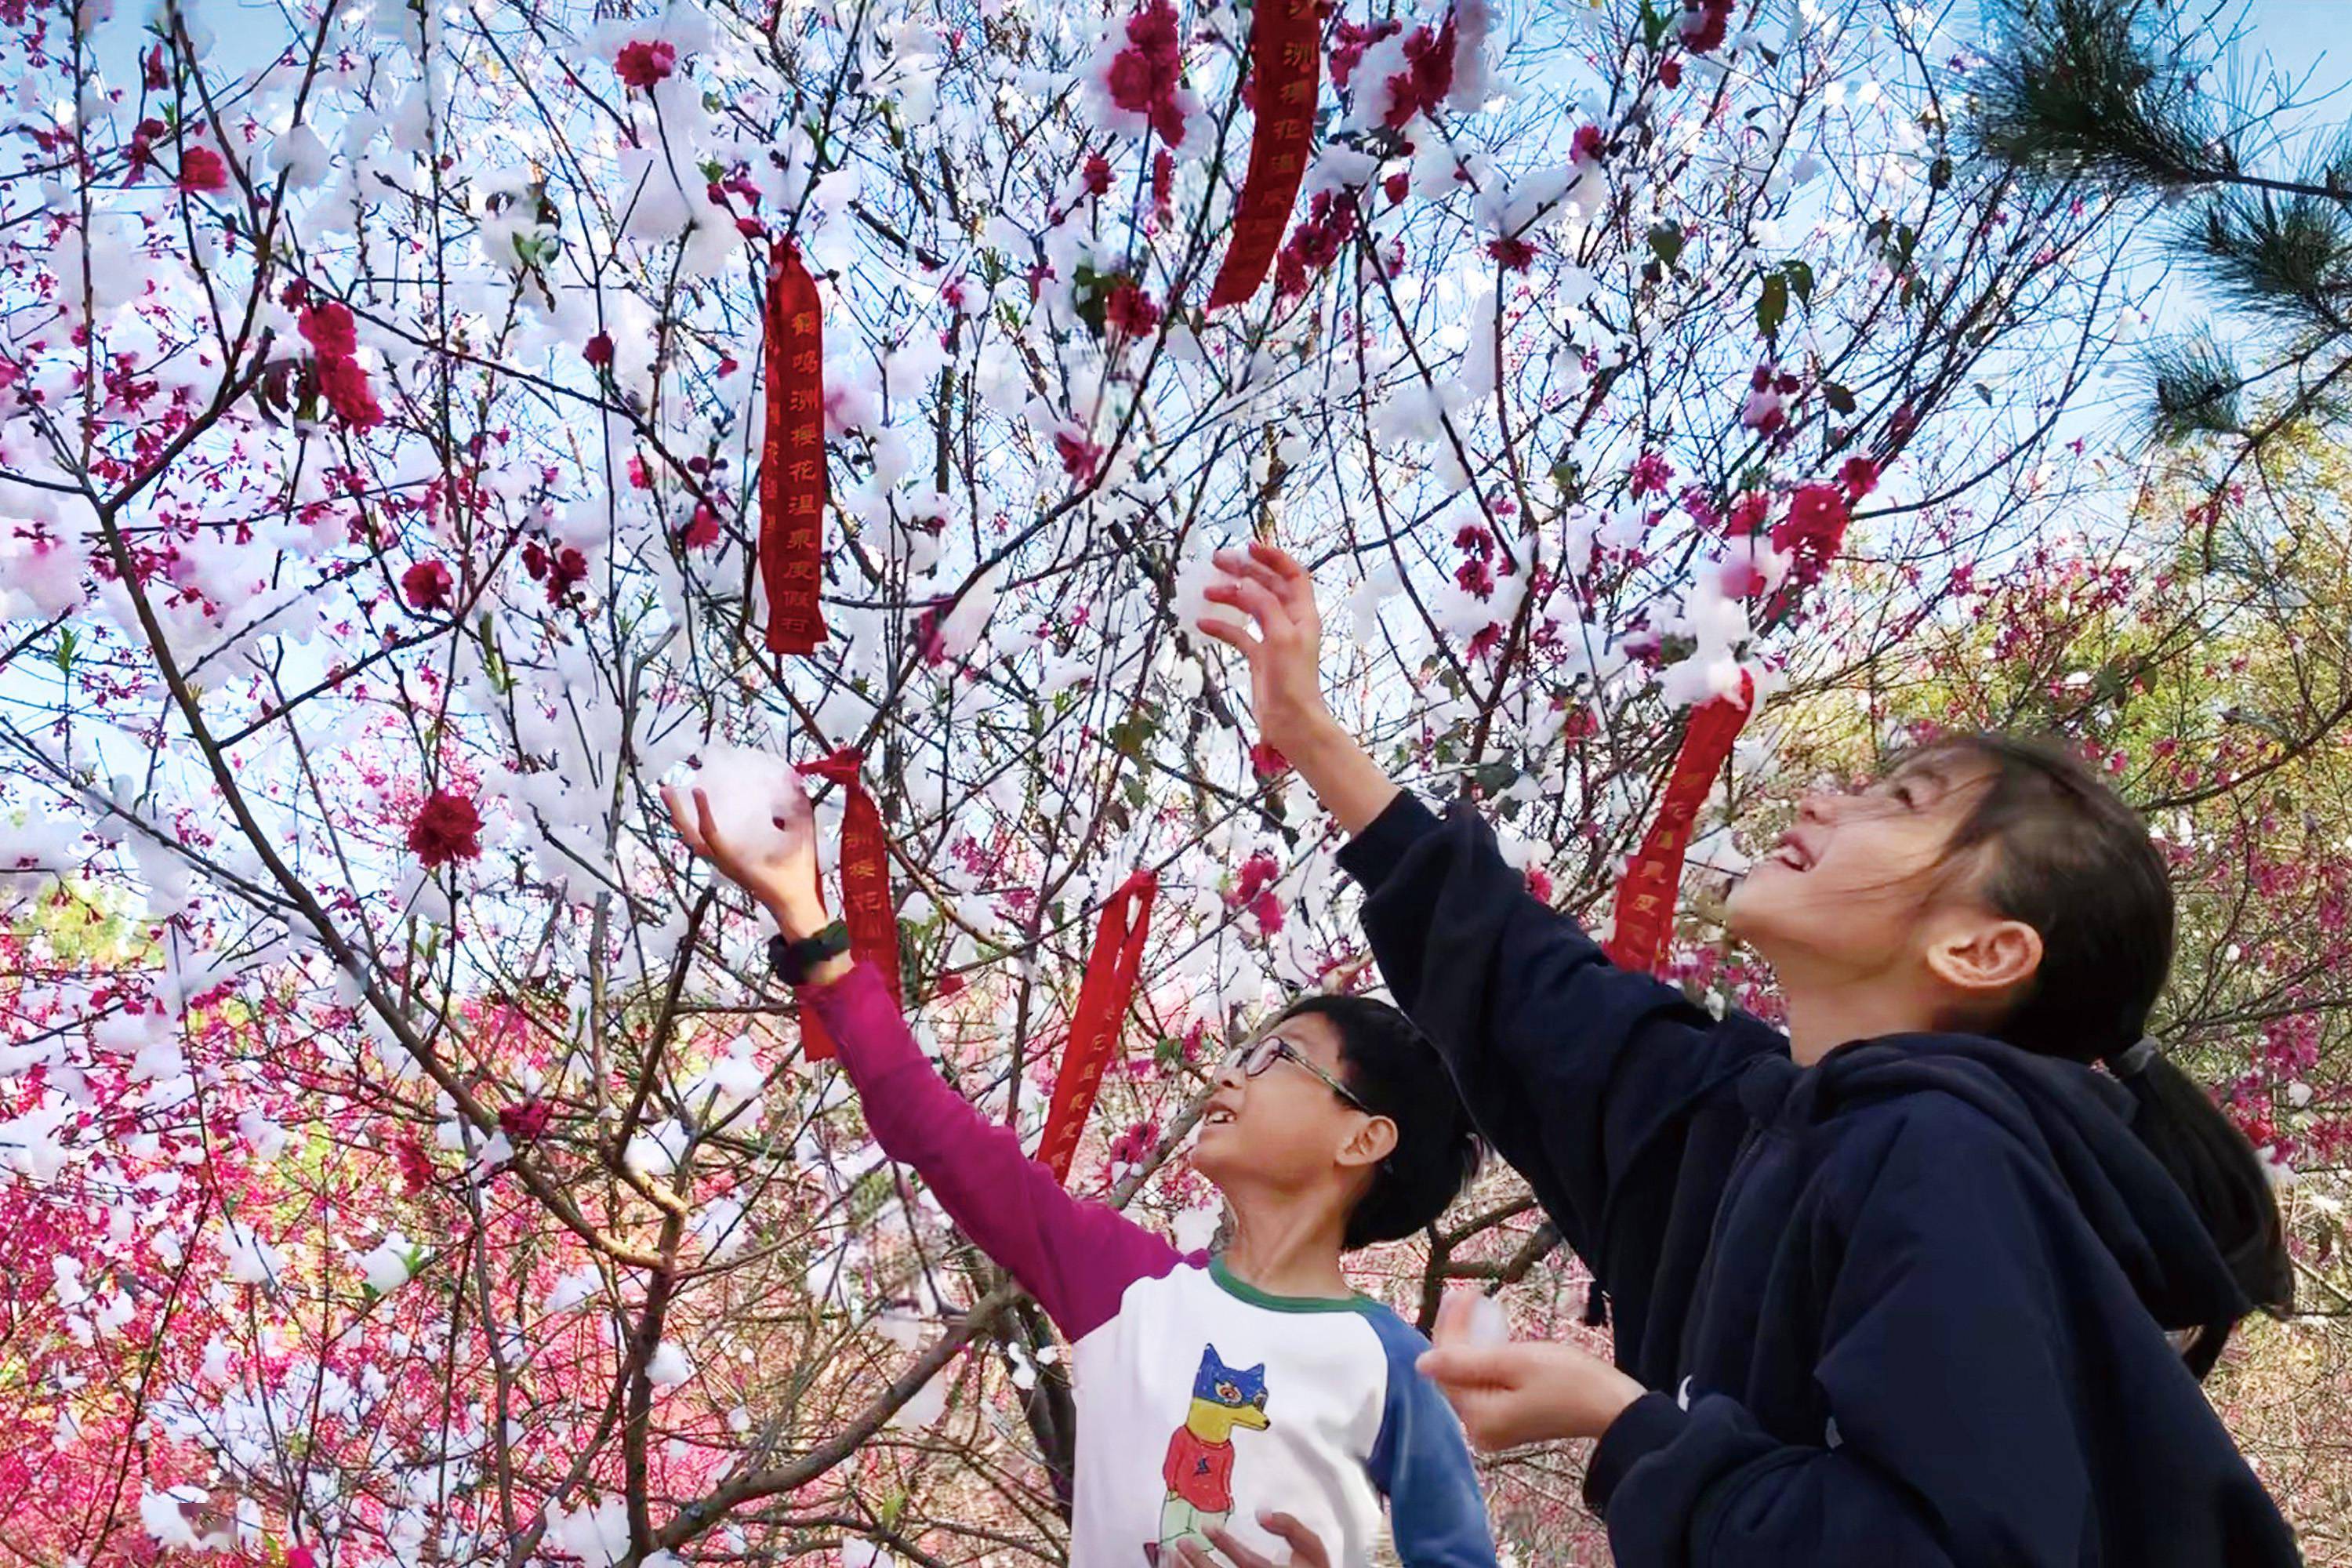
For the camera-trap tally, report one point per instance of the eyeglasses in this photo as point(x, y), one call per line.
point(1262, 1053)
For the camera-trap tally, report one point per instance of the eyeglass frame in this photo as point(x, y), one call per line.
point(1276, 1048)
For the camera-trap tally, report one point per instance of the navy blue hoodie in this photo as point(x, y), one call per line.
point(1903, 1307)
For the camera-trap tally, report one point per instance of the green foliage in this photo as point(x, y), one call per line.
point(2084, 88)
point(2193, 384)
point(2288, 257)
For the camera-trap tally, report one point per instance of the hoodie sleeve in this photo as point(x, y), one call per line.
point(1948, 1371)
point(1420, 1463)
point(1570, 1066)
point(1076, 1257)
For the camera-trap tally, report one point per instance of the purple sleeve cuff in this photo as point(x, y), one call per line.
point(1640, 1429)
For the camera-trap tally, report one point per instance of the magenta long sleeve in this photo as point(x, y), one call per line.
point(1076, 1257)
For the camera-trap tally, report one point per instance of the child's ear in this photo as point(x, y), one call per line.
point(1369, 1144)
point(1985, 959)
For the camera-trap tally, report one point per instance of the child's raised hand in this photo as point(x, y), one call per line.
point(1521, 1391)
point(778, 867)
point(1285, 678)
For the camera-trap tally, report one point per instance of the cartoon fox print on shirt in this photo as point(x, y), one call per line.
point(1200, 1465)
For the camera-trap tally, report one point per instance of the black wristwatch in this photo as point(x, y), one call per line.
point(791, 961)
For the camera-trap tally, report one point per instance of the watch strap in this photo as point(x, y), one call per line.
point(791, 961)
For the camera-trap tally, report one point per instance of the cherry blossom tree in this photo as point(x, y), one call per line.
point(406, 1155)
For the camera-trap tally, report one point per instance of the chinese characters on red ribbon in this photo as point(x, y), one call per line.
point(792, 460)
point(1287, 64)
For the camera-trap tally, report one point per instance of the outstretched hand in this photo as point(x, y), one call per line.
point(1305, 1551)
point(1283, 642)
point(779, 869)
point(1523, 1391)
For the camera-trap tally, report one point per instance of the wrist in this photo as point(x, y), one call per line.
point(798, 913)
point(1341, 773)
point(1313, 737)
point(1624, 1393)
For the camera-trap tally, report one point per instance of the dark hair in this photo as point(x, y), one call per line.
point(2064, 854)
point(1386, 1063)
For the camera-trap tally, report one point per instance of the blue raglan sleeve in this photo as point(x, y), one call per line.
point(1420, 1463)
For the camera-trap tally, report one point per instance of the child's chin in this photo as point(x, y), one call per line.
point(1214, 1149)
point(1762, 899)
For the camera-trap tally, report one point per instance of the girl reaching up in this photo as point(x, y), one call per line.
point(1931, 1279)
point(1247, 1402)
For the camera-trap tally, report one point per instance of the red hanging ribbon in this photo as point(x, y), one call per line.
point(1287, 65)
point(1645, 899)
point(792, 458)
point(865, 903)
point(1103, 998)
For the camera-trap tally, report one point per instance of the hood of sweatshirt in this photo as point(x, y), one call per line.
point(2075, 1119)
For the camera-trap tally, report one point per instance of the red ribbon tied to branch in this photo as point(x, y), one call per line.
point(866, 906)
point(1287, 65)
point(791, 457)
point(1103, 998)
point(1645, 899)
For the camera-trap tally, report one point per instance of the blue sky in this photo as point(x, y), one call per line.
point(2307, 34)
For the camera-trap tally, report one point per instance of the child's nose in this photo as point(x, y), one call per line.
point(1817, 805)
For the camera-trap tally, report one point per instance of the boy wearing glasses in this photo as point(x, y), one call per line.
point(1211, 1389)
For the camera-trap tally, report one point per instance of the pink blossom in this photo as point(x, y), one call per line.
point(446, 827)
point(1704, 25)
point(1748, 515)
point(1131, 311)
point(1163, 185)
point(1769, 392)
point(1146, 76)
point(1650, 475)
point(203, 171)
point(1254, 890)
point(1515, 255)
point(347, 393)
point(1428, 74)
point(561, 570)
point(525, 1120)
point(426, 585)
point(1134, 1145)
point(1813, 529)
point(1348, 42)
point(1741, 578)
point(643, 62)
point(1079, 456)
point(417, 1172)
point(330, 330)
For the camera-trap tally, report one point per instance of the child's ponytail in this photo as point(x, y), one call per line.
point(2223, 1178)
point(2048, 843)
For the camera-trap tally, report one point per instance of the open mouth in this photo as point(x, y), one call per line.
point(1217, 1116)
point(1792, 853)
